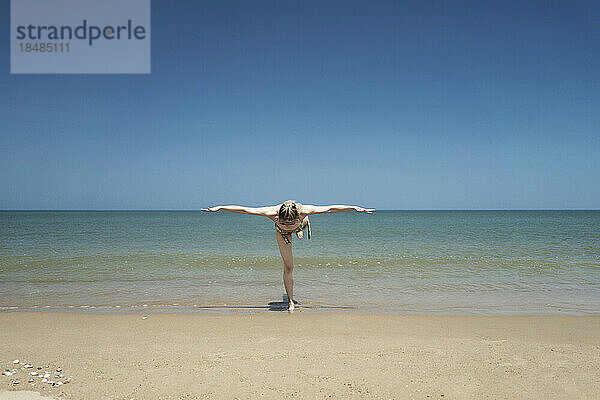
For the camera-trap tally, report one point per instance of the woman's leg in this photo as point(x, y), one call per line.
point(288, 267)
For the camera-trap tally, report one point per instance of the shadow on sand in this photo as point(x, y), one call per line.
point(277, 306)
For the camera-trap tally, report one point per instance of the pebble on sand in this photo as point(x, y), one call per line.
point(41, 374)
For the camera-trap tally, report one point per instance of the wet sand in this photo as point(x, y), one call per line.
point(274, 355)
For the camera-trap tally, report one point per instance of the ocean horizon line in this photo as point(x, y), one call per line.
point(376, 209)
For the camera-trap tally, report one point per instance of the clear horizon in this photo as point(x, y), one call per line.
point(377, 209)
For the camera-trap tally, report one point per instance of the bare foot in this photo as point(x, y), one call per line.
point(291, 306)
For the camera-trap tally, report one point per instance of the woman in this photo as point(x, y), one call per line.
point(289, 217)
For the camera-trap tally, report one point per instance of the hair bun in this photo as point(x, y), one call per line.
point(289, 210)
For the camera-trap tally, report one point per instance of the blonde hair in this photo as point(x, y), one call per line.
point(289, 210)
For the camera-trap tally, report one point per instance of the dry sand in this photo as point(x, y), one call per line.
point(304, 355)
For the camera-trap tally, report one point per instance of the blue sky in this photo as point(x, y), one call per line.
point(423, 105)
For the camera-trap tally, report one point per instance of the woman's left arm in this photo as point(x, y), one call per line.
point(310, 209)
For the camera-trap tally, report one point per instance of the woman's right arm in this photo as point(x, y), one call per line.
point(264, 211)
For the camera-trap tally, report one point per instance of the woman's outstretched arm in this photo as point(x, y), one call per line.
point(310, 209)
point(264, 211)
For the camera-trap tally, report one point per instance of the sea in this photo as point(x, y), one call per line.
point(390, 262)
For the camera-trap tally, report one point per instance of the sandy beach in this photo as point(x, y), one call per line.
point(303, 355)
